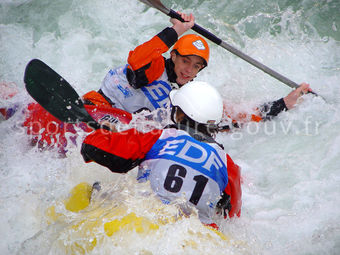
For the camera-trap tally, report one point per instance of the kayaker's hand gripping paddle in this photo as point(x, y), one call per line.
point(171, 13)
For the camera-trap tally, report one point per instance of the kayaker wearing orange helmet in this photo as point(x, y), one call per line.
point(146, 81)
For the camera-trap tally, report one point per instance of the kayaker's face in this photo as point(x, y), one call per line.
point(186, 67)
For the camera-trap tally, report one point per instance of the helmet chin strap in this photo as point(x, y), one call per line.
point(193, 133)
point(173, 114)
point(199, 136)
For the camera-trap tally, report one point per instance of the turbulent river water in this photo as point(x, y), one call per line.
point(290, 165)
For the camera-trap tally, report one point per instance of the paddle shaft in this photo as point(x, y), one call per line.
point(236, 52)
point(171, 13)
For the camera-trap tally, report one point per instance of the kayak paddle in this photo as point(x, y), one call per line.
point(55, 94)
point(171, 13)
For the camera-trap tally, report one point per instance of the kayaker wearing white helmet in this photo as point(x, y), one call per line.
point(182, 160)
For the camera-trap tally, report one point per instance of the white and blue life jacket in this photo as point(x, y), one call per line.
point(152, 96)
point(180, 166)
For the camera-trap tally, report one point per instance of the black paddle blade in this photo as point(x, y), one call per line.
point(55, 94)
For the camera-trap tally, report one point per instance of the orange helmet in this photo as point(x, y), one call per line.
point(192, 45)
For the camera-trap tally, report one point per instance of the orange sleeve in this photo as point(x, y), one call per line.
point(93, 97)
point(120, 152)
point(147, 58)
point(262, 113)
point(147, 53)
point(146, 63)
point(243, 117)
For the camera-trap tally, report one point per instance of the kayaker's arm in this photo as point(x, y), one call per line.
point(120, 152)
point(291, 99)
point(146, 62)
point(97, 98)
point(270, 110)
point(265, 112)
point(182, 27)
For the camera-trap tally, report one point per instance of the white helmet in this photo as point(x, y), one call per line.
point(200, 101)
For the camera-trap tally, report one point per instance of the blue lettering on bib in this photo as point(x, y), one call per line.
point(125, 91)
point(157, 95)
point(188, 151)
